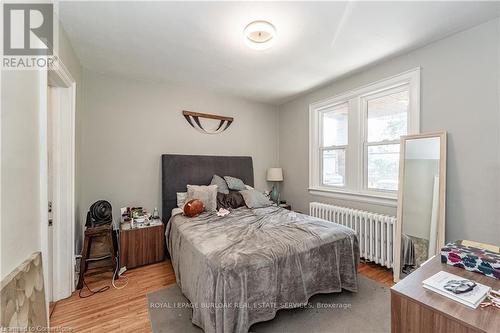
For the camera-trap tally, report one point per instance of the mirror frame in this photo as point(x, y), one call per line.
point(440, 239)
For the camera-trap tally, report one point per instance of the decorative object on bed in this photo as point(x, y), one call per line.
point(472, 258)
point(23, 307)
point(222, 212)
point(207, 194)
point(234, 183)
point(421, 201)
point(221, 184)
point(193, 118)
point(194, 208)
point(181, 199)
point(275, 175)
point(233, 200)
point(255, 199)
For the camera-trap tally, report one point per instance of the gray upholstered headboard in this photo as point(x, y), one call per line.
point(181, 170)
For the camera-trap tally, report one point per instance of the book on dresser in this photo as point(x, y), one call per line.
point(472, 298)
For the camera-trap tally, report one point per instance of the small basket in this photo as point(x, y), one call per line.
point(472, 258)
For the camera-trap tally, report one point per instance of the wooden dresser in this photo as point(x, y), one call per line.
point(142, 246)
point(415, 309)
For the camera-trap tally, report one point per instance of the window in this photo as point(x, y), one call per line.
point(354, 139)
point(387, 121)
point(334, 145)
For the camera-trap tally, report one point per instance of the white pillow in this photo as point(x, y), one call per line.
point(207, 194)
point(248, 187)
point(181, 199)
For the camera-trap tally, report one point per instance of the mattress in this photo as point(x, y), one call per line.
point(240, 269)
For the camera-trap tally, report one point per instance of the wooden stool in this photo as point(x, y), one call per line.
point(105, 232)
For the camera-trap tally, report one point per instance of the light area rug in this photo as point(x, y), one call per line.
point(368, 310)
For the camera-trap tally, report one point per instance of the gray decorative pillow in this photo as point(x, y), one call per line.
point(235, 184)
point(207, 194)
point(221, 184)
point(181, 199)
point(255, 199)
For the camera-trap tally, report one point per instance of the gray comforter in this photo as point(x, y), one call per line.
point(240, 269)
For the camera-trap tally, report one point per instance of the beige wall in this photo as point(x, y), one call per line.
point(20, 166)
point(127, 125)
point(460, 94)
point(20, 206)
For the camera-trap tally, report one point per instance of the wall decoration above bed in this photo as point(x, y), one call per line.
point(193, 118)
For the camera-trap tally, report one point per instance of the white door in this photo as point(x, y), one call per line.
point(59, 238)
point(50, 190)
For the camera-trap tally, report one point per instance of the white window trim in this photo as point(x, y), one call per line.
point(355, 189)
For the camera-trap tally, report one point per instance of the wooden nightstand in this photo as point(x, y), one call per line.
point(142, 246)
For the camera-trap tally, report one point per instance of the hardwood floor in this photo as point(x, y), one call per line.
point(115, 310)
point(125, 310)
point(377, 273)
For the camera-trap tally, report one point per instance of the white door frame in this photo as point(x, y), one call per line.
point(63, 106)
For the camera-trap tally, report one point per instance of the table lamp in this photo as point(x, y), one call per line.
point(275, 175)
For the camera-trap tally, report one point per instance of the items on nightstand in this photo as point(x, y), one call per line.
point(275, 175)
point(283, 204)
point(138, 217)
point(156, 214)
point(492, 299)
point(457, 288)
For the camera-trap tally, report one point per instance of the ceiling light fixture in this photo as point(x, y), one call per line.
point(259, 35)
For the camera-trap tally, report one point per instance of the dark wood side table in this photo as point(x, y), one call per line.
point(142, 246)
point(415, 309)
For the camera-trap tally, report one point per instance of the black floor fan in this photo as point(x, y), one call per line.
point(100, 213)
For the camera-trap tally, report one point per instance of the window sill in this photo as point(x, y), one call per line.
point(381, 199)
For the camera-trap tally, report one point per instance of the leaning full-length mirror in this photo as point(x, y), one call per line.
point(421, 203)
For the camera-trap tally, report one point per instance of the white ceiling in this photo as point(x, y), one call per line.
point(201, 43)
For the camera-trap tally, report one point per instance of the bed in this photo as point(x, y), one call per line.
point(240, 269)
